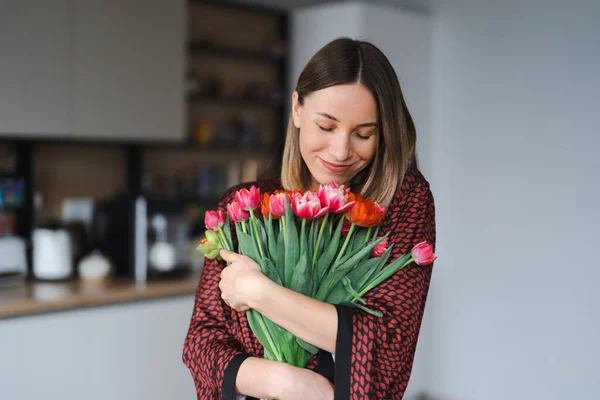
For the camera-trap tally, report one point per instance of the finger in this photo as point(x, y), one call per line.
point(230, 256)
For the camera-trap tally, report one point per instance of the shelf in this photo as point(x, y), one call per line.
point(238, 102)
point(233, 52)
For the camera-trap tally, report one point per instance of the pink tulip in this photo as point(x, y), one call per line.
point(422, 253)
point(214, 220)
point(346, 227)
point(277, 204)
point(248, 199)
point(308, 206)
point(380, 248)
point(236, 212)
point(335, 197)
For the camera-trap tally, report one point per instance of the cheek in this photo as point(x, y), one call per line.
point(366, 151)
point(311, 140)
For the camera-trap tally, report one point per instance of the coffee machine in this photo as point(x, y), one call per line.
point(144, 237)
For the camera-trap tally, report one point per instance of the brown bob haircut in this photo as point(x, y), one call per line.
point(348, 61)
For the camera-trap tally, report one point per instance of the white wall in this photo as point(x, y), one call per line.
point(514, 302)
point(123, 352)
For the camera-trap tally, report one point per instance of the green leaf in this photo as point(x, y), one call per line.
point(359, 275)
point(375, 313)
point(386, 272)
point(271, 238)
point(355, 259)
point(254, 320)
point(348, 285)
point(302, 280)
point(323, 263)
point(280, 260)
point(292, 250)
point(307, 346)
point(270, 271)
point(227, 232)
point(338, 294)
point(247, 246)
point(330, 282)
point(262, 233)
point(358, 240)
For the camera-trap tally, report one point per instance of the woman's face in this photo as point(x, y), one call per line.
point(338, 132)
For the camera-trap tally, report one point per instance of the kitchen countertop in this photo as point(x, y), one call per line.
point(37, 297)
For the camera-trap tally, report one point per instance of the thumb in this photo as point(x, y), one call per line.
point(229, 256)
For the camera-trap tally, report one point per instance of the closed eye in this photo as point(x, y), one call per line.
point(325, 129)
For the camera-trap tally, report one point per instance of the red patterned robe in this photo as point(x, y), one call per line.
point(373, 357)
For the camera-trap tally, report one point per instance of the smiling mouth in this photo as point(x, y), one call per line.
point(335, 168)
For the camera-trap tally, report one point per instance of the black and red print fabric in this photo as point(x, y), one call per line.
point(374, 356)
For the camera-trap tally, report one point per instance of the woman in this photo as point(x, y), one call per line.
point(349, 124)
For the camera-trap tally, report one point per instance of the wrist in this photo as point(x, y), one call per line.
point(283, 381)
point(260, 292)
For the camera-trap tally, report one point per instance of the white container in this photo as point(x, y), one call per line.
point(13, 256)
point(52, 254)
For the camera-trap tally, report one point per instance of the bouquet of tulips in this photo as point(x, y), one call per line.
point(323, 244)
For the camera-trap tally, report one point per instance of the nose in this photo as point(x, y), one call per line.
point(339, 147)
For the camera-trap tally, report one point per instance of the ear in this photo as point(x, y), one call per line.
point(296, 109)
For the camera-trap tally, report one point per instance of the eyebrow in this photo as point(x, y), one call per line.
point(331, 117)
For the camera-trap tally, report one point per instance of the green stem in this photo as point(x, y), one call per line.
point(302, 236)
point(256, 235)
point(344, 246)
point(244, 227)
point(263, 326)
point(223, 239)
point(368, 235)
point(314, 260)
point(374, 283)
point(282, 228)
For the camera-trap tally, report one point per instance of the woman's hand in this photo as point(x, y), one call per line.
point(240, 281)
point(302, 384)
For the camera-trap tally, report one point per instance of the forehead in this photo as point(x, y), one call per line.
point(350, 104)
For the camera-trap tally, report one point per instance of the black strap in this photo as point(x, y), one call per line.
point(228, 392)
point(343, 352)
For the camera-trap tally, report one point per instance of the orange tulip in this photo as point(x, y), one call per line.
point(264, 205)
point(365, 213)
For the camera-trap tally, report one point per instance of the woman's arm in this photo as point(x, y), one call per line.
point(262, 378)
point(243, 286)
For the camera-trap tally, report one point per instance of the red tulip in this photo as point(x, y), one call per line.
point(236, 212)
point(274, 204)
point(422, 253)
point(335, 197)
point(277, 204)
point(308, 206)
point(214, 220)
point(380, 248)
point(345, 227)
point(248, 199)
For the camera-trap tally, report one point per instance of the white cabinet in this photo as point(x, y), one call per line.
point(120, 352)
point(129, 69)
point(34, 67)
point(92, 69)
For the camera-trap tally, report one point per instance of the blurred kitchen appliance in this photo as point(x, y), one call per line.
point(143, 237)
point(52, 254)
point(13, 260)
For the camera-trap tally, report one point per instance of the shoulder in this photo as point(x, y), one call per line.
point(414, 185)
point(265, 185)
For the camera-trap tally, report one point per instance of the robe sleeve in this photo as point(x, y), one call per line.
point(374, 356)
point(210, 352)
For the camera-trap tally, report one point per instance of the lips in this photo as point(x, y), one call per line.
point(335, 168)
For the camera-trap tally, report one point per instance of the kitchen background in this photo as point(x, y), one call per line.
point(177, 100)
